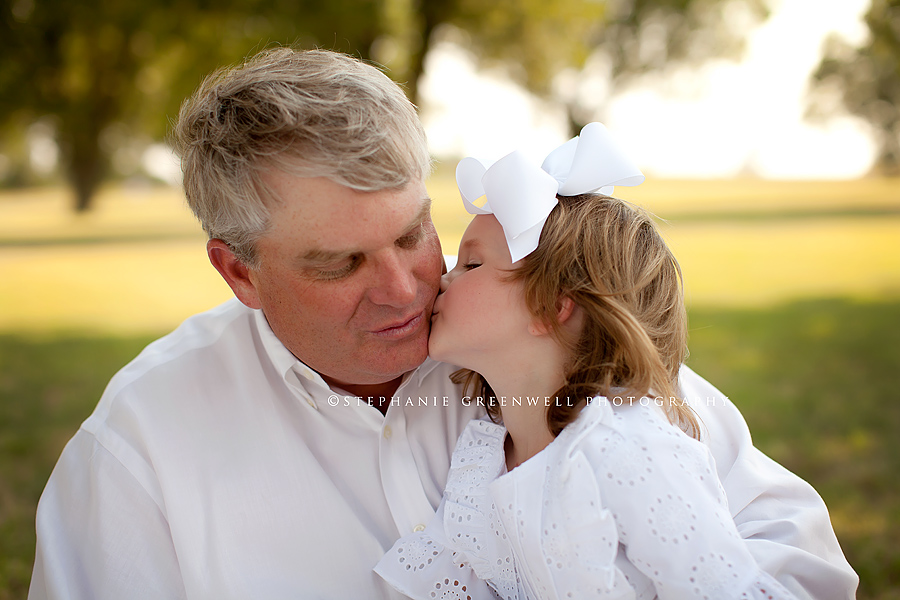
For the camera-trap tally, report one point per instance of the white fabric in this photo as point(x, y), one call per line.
point(521, 195)
point(215, 466)
point(620, 505)
point(781, 517)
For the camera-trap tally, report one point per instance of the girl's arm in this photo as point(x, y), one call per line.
point(670, 509)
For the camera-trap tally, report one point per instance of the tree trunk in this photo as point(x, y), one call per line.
point(85, 161)
point(432, 13)
point(84, 181)
point(889, 161)
point(573, 122)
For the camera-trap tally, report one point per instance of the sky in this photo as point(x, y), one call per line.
point(720, 120)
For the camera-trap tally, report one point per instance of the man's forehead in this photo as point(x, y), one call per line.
point(347, 235)
point(320, 201)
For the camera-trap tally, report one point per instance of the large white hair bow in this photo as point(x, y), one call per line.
point(521, 195)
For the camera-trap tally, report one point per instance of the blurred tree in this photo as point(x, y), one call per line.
point(537, 41)
point(106, 73)
point(865, 81)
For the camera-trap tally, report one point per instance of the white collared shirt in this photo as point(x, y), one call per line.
point(217, 465)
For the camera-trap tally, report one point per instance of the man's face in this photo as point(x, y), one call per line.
point(347, 279)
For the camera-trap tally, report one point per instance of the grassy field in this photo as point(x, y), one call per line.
point(794, 295)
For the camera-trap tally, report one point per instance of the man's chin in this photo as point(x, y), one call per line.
point(376, 374)
point(406, 359)
point(379, 365)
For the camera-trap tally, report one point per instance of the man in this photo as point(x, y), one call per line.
point(232, 459)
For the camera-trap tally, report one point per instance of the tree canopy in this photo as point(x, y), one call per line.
point(865, 81)
point(105, 71)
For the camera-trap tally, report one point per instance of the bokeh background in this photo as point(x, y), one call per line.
point(769, 131)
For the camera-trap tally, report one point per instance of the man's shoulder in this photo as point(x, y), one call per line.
point(199, 356)
point(699, 392)
point(208, 336)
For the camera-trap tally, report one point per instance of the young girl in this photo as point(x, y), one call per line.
point(589, 479)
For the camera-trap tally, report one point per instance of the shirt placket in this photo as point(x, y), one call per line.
point(400, 478)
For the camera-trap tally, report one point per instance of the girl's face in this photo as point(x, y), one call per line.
point(479, 318)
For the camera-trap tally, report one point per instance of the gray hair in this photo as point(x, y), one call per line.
point(309, 113)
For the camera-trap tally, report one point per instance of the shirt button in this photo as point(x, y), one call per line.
point(418, 528)
point(387, 433)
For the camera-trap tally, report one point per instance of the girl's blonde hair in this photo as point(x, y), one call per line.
point(608, 257)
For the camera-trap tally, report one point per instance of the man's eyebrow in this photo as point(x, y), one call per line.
point(422, 214)
point(318, 255)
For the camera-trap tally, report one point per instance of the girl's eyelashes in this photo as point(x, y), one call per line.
point(467, 260)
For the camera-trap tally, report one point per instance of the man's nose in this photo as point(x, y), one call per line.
point(395, 283)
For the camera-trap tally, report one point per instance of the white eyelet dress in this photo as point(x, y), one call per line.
point(620, 505)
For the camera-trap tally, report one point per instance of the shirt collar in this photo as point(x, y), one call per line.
point(303, 378)
point(295, 373)
point(425, 369)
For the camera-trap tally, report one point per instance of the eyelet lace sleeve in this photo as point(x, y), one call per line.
point(670, 510)
point(458, 555)
point(424, 569)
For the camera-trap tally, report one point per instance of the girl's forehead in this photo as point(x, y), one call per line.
point(484, 227)
point(486, 234)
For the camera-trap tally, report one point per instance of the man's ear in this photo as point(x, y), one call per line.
point(235, 273)
point(565, 312)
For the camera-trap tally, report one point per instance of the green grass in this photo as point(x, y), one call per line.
point(138, 263)
point(816, 380)
point(793, 287)
point(48, 386)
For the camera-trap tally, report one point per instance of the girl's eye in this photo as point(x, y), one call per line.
point(471, 265)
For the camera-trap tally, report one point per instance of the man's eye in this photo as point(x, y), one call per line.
point(412, 239)
point(330, 274)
